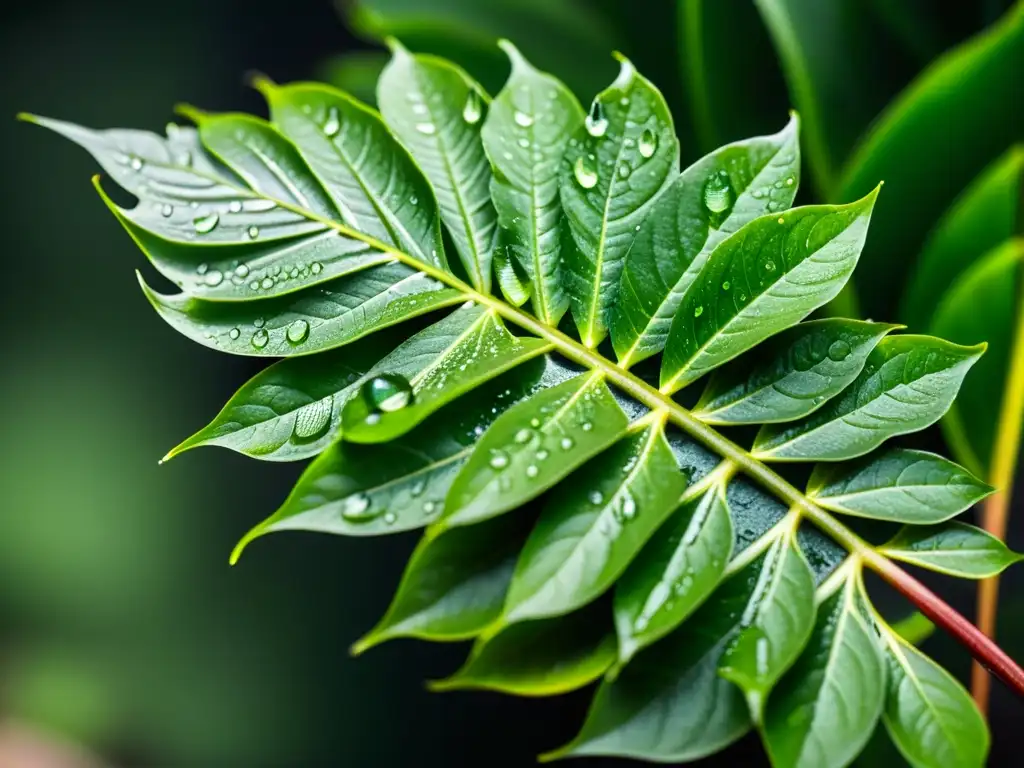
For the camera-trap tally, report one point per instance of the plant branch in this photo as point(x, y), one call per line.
point(984, 650)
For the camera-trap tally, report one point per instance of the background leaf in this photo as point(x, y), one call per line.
point(953, 548)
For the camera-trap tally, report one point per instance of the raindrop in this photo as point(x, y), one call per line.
point(781, 220)
point(718, 196)
point(726, 286)
point(585, 174)
point(418, 488)
point(535, 422)
point(357, 509)
point(567, 443)
point(596, 497)
point(242, 270)
point(213, 278)
point(316, 267)
point(390, 518)
point(253, 232)
point(235, 206)
point(698, 311)
point(136, 164)
point(648, 143)
point(628, 508)
point(790, 181)
point(532, 471)
point(499, 460)
point(234, 333)
point(522, 119)
point(333, 124)
point(839, 350)
point(312, 420)
point(769, 266)
point(596, 122)
point(387, 392)
point(472, 111)
point(523, 436)
point(267, 284)
point(623, 170)
point(426, 128)
point(542, 454)
point(206, 223)
point(587, 426)
point(260, 338)
point(202, 268)
point(297, 332)
point(166, 210)
point(429, 507)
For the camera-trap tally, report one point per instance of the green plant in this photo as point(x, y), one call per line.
point(582, 521)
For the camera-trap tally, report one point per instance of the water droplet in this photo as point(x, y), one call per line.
point(312, 420)
point(234, 333)
point(523, 436)
point(213, 278)
point(267, 283)
point(648, 143)
point(596, 497)
point(628, 508)
point(542, 454)
point(726, 286)
point(535, 422)
point(426, 128)
point(242, 270)
point(136, 163)
point(390, 518)
point(202, 269)
point(259, 322)
point(623, 170)
point(769, 266)
point(522, 119)
point(166, 210)
point(566, 443)
point(790, 181)
point(413, 200)
point(333, 124)
point(585, 173)
point(698, 311)
point(640, 624)
point(316, 267)
point(387, 392)
point(206, 223)
point(587, 426)
point(761, 649)
point(718, 196)
point(429, 507)
point(260, 338)
point(253, 232)
point(781, 220)
point(472, 111)
point(356, 509)
point(499, 460)
point(839, 350)
point(235, 206)
point(532, 471)
point(297, 332)
point(596, 122)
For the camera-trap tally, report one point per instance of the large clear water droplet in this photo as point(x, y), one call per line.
point(358, 509)
point(522, 119)
point(206, 223)
point(297, 332)
point(718, 195)
point(166, 210)
point(596, 122)
point(333, 124)
point(648, 143)
point(387, 392)
point(312, 420)
point(523, 436)
point(839, 350)
point(242, 271)
point(253, 232)
point(213, 278)
point(260, 338)
point(473, 110)
point(499, 460)
point(585, 174)
point(427, 129)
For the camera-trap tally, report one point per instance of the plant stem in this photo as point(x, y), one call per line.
point(996, 508)
point(980, 646)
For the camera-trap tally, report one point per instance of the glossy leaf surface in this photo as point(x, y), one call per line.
point(954, 548)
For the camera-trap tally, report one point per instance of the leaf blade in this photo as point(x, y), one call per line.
point(952, 548)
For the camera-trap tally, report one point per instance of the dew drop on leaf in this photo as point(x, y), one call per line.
point(136, 164)
point(242, 270)
point(253, 232)
point(235, 206)
point(648, 143)
point(390, 518)
point(532, 471)
point(596, 122)
point(585, 174)
point(260, 338)
point(596, 497)
point(718, 196)
point(213, 278)
point(267, 284)
point(628, 508)
point(523, 436)
point(587, 426)
point(333, 124)
point(499, 460)
point(166, 210)
point(387, 392)
point(234, 333)
point(297, 332)
point(522, 119)
point(357, 509)
point(698, 311)
point(316, 267)
point(839, 350)
point(472, 111)
point(567, 443)
point(206, 223)
point(427, 129)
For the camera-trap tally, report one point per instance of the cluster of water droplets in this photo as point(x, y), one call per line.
point(258, 281)
point(586, 170)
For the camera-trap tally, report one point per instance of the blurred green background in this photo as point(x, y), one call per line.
point(122, 628)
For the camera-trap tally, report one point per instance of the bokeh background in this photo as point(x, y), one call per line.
point(125, 638)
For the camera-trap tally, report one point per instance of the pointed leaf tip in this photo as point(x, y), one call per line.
point(190, 112)
point(395, 46)
point(515, 56)
point(626, 70)
point(261, 83)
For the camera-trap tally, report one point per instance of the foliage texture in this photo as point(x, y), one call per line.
point(488, 316)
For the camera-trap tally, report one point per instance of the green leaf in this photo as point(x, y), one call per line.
point(440, 364)
point(928, 145)
point(291, 410)
point(775, 624)
point(914, 628)
point(435, 109)
point(525, 134)
point(675, 572)
point(539, 658)
point(381, 192)
point(312, 320)
point(613, 170)
point(368, 490)
point(984, 305)
point(899, 485)
point(907, 384)
point(555, 431)
point(711, 200)
point(953, 548)
point(928, 714)
point(591, 528)
point(791, 375)
point(454, 584)
point(823, 712)
point(765, 278)
point(987, 214)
